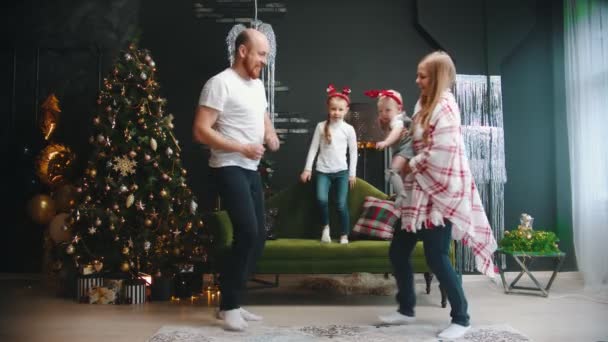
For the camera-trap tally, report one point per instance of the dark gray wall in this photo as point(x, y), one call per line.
point(366, 45)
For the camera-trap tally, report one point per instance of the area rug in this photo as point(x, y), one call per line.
point(334, 333)
point(351, 284)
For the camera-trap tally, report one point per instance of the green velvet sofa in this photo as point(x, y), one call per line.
point(298, 250)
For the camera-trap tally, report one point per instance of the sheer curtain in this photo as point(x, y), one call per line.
point(586, 59)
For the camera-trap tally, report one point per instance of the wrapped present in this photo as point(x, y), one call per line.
point(134, 292)
point(84, 283)
point(102, 295)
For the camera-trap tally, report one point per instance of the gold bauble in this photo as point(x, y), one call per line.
point(177, 251)
point(65, 197)
point(188, 226)
point(70, 249)
point(125, 267)
point(148, 222)
point(200, 223)
point(125, 250)
point(163, 193)
point(42, 209)
point(54, 164)
point(58, 230)
point(93, 173)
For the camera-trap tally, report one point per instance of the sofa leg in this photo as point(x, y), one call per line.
point(428, 277)
point(444, 295)
point(265, 283)
point(387, 275)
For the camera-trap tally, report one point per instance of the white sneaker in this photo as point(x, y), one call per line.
point(344, 239)
point(233, 321)
point(454, 331)
point(247, 316)
point(325, 238)
point(396, 318)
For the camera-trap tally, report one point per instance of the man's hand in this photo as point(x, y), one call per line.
point(351, 181)
point(273, 142)
point(381, 145)
point(305, 176)
point(253, 151)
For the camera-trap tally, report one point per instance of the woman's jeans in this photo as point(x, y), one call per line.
point(436, 251)
point(339, 182)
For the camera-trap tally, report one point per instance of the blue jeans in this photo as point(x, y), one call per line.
point(338, 181)
point(436, 251)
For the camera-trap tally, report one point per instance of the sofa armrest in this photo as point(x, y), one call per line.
point(220, 227)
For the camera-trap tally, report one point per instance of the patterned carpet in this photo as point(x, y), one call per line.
point(334, 333)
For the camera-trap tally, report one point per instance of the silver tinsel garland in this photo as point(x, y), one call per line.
point(482, 130)
point(268, 72)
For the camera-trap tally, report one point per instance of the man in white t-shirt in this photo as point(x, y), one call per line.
point(231, 118)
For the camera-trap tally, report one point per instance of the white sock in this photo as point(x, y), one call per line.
point(233, 320)
point(396, 318)
point(454, 331)
point(248, 316)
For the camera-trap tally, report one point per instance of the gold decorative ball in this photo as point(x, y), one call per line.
point(125, 250)
point(200, 223)
point(125, 267)
point(163, 193)
point(148, 223)
point(42, 209)
point(70, 249)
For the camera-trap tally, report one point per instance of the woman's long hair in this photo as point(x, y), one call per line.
point(442, 74)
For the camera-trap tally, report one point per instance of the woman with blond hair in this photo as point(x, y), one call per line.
point(442, 201)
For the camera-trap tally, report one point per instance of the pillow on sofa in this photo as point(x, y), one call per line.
point(377, 220)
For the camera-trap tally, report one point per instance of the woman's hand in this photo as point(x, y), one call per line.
point(351, 181)
point(305, 176)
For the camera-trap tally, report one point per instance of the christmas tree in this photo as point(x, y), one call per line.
point(136, 213)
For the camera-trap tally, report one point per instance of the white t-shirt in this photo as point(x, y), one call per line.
point(332, 157)
point(242, 105)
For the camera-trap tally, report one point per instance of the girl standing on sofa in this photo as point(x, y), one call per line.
point(442, 201)
point(330, 141)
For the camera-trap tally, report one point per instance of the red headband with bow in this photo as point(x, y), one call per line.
point(379, 93)
point(333, 92)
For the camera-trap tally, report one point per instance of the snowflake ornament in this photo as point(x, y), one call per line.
point(124, 165)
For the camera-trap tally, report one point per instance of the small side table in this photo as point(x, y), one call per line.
point(524, 260)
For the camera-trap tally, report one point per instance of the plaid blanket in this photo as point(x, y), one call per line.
point(440, 186)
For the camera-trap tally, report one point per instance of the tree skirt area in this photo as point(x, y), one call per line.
point(351, 284)
point(334, 333)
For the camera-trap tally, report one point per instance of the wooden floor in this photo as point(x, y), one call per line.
point(30, 313)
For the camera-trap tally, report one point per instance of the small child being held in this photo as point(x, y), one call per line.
point(393, 120)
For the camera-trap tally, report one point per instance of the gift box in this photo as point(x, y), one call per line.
point(134, 292)
point(84, 283)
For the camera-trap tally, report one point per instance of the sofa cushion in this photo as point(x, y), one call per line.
point(377, 220)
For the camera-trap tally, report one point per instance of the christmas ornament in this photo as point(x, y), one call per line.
point(125, 267)
point(169, 152)
point(124, 165)
point(92, 230)
point(153, 144)
point(54, 164)
point(130, 200)
point(65, 197)
point(97, 265)
point(147, 222)
point(50, 116)
point(70, 249)
point(193, 206)
point(41, 209)
point(58, 231)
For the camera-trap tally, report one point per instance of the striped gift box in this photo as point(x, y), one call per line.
point(85, 283)
point(134, 293)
